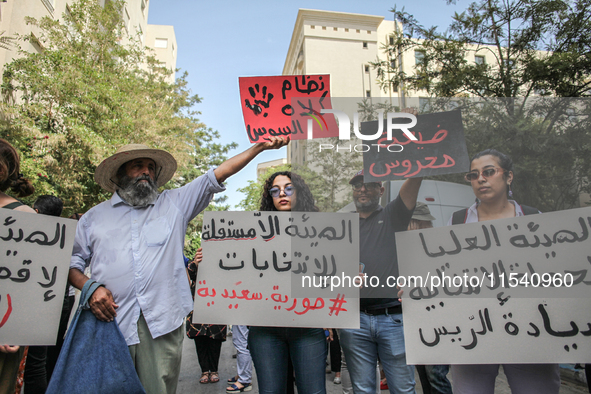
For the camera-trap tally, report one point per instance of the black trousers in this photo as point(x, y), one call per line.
point(208, 352)
point(335, 353)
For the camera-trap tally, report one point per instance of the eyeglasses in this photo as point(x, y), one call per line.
point(486, 173)
point(368, 186)
point(275, 191)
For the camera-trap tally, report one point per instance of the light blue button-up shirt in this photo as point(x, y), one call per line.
point(137, 253)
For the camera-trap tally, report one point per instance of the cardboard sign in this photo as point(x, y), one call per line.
point(285, 105)
point(277, 268)
point(440, 149)
point(514, 290)
point(36, 251)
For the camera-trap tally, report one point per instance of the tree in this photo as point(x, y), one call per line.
point(542, 52)
point(91, 89)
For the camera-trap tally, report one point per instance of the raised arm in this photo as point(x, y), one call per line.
point(238, 162)
point(410, 191)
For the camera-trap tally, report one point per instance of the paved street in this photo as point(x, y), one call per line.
point(190, 374)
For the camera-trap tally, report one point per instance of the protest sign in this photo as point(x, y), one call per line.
point(440, 148)
point(283, 105)
point(277, 269)
point(36, 251)
point(513, 290)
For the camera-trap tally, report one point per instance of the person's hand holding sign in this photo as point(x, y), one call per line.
point(8, 349)
point(236, 163)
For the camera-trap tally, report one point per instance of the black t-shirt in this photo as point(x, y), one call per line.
point(377, 249)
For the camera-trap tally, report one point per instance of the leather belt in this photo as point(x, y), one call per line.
point(382, 311)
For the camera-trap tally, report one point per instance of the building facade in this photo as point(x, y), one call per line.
point(134, 14)
point(343, 45)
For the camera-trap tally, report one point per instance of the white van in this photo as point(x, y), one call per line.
point(443, 198)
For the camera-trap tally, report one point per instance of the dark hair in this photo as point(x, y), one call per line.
point(504, 161)
point(304, 198)
point(10, 176)
point(49, 205)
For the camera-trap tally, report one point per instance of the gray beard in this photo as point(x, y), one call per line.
point(368, 206)
point(136, 193)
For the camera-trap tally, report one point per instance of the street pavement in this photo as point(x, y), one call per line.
point(190, 374)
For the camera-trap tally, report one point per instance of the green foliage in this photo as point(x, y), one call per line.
point(91, 89)
point(329, 172)
point(541, 51)
point(541, 46)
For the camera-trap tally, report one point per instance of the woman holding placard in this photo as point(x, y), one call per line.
point(270, 347)
point(491, 176)
point(11, 178)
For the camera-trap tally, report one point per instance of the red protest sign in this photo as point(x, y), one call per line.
point(286, 105)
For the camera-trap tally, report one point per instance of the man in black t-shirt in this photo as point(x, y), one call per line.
point(381, 333)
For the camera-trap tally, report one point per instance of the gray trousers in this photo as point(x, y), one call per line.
point(243, 359)
point(158, 361)
point(522, 378)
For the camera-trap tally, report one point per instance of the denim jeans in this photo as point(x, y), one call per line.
point(434, 379)
point(381, 335)
point(269, 347)
point(243, 358)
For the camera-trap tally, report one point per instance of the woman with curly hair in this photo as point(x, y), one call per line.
point(11, 178)
point(272, 347)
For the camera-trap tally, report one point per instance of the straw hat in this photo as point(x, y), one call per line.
point(107, 170)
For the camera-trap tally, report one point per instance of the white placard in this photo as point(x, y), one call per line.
point(512, 290)
point(267, 269)
point(35, 255)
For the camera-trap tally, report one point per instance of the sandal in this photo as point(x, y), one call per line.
point(235, 389)
point(233, 379)
point(214, 377)
point(204, 377)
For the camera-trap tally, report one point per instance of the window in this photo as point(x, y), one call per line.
point(357, 31)
point(126, 19)
point(49, 4)
point(419, 57)
point(391, 40)
point(368, 93)
point(346, 30)
point(479, 59)
point(323, 27)
point(424, 104)
point(364, 44)
point(393, 64)
point(312, 27)
point(335, 28)
point(36, 43)
point(366, 69)
point(161, 43)
point(141, 34)
point(369, 32)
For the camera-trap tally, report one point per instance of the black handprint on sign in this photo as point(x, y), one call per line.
point(258, 105)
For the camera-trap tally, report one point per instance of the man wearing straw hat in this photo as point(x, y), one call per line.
point(134, 246)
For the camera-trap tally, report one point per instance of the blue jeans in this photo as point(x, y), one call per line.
point(434, 379)
point(271, 346)
point(381, 335)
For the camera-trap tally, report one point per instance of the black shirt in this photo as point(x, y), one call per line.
point(377, 249)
